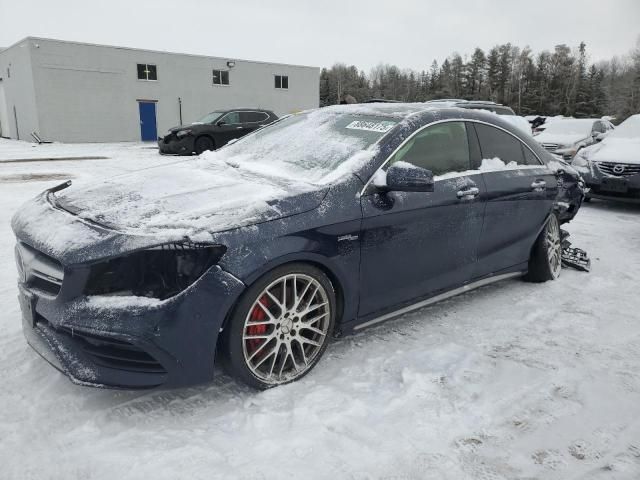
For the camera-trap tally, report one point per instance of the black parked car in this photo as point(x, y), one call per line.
point(320, 224)
point(214, 130)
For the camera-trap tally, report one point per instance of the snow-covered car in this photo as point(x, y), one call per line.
point(611, 168)
point(565, 137)
point(322, 223)
point(507, 112)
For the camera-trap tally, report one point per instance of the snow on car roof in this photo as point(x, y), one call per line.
point(395, 110)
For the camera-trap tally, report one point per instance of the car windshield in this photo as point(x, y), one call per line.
point(570, 127)
point(209, 117)
point(630, 128)
point(314, 147)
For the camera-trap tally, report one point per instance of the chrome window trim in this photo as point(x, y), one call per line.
point(449, 120)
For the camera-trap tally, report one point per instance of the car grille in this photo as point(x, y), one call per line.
point(619, 169)
point(115, 353)
point(37, 270)
point(550, 146)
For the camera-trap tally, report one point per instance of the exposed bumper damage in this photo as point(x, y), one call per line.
point(574, 257)
point(131, 342)
point(111, 340)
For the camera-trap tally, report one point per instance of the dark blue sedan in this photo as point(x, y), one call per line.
point(320, 224)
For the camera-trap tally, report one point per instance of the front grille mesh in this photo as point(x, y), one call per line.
point(622, 170)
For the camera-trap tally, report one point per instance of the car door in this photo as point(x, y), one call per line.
point(414, 244)
point(227, 128)
point(521, 191)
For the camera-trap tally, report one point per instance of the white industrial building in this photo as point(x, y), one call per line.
point(77, 92)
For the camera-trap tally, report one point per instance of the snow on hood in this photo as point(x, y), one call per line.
point(562, 139)
point(185, 198)
point(621, 150)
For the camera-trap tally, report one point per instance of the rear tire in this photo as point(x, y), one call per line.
point(203, 144)
point(280, 327)
point(545, 262)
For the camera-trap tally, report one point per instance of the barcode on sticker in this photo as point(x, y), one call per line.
point(382, 127)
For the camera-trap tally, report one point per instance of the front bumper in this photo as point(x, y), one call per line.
point(172, 145)
point(610, 186)
point(131, 344)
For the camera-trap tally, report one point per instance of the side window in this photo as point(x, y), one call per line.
point(496, 143)
point(529, 158)
point(442, 148)
point(231, 118)
point(253, 117)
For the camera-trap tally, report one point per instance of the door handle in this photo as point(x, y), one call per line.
point(538, 185)
point(469, 192)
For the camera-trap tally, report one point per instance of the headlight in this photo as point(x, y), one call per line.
point(158, 272)
point(183, 133)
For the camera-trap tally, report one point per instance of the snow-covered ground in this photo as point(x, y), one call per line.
point(512, 381)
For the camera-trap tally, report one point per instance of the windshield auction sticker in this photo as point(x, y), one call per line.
point(382, 127)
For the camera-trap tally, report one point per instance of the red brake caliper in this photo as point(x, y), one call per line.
point(257, 315)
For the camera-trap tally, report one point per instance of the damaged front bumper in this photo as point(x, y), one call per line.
point(131, 342)
point(107, 340)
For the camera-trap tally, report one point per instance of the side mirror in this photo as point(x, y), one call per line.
point(405, 177)
point(599, 137)
point(220, 123)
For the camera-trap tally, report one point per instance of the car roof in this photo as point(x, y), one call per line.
point(401, 111)
point(243, 110)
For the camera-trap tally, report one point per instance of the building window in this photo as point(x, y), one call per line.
point(282, 81)
point(147, 72)
point(221, 77)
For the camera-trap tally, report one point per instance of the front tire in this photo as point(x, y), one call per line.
point(545, 262)
point(281, 326)
point(203, 144)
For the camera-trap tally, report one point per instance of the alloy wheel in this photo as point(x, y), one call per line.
point(554, 246)
point(286, 328)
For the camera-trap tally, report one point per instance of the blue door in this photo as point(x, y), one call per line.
point(148, 127)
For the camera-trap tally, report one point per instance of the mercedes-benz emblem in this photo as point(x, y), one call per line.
point(618, 169)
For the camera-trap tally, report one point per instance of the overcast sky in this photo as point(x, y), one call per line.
point(408, 33)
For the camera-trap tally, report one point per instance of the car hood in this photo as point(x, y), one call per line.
point(620, 150)
point(193, 126)
point(188, 198)
point(561, 139)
